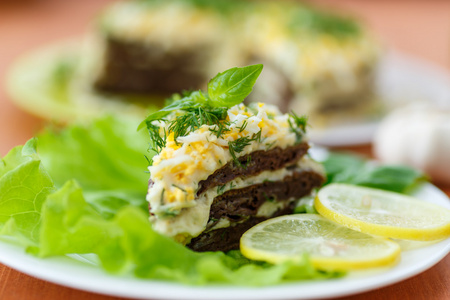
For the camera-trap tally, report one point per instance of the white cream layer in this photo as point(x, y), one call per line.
point(191, 221)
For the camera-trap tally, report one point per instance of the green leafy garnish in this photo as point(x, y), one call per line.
point(233, 86)
point(157, 140)
point(58, 201)
point(194, 118)
point(24, 186)
point(298, 125)
point(349, 168)
point(305, 205)
point(238, 145)
point(224, 91)
point(221, 189)
point(64, 199)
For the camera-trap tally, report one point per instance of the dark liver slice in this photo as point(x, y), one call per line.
point(241, 205)
point(148, 68)
point(253, 164)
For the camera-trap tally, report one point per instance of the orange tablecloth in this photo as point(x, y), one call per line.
point(421, 28)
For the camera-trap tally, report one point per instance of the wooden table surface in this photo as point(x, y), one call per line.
point(420, 28)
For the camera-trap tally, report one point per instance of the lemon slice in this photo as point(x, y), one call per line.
point(383, 213)
point(329, 245)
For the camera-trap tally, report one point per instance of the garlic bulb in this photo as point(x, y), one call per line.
point(418, 136)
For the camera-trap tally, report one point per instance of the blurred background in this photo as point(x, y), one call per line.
point(418, 28)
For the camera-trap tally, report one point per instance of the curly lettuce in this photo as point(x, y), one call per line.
point(83, 191)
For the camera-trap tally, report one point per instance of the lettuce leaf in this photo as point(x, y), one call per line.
point(127, 243)
point(85, 194)
point(24, 186)
point(108, 159)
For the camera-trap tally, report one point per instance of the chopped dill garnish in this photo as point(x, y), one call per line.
point(149, 160)
point(298, 125)
point(249, 160)
point(159, 142)
point(269, 146)
point(238, 145)
point(196, 117)
point(162, 196)
point(221, 189)
point(179, 188)
point(257, 136)
point(220, 129)
point(243, 126)
point(197, 108)
point(193, 119)
point(169, 213)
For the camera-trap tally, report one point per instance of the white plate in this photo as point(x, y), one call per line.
point(86, 276)
point(401, 80)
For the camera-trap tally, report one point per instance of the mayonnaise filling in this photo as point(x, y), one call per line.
point(267, 209)
point(191, 221)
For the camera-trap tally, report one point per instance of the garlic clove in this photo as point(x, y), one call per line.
point(417, 136)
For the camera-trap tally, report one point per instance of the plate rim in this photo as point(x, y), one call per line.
point(56, 272)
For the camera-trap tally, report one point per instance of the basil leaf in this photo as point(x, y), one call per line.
point(224, 90)
point(232, 86)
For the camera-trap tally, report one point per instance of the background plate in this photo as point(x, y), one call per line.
point(80, 273)
point(401, 80)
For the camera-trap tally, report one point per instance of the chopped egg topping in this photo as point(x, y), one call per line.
point(180, 166)
point(132, 20)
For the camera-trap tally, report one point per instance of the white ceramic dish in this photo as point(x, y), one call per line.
point(401, 80)
point(85, 275)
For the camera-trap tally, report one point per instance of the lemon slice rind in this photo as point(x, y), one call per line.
point(262, 243)
point(394, 224)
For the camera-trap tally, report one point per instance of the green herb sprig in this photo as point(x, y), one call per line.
point(158, 141)
point(238, 145)
point(197, 117)
point(225, 90)
point(298, 126)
